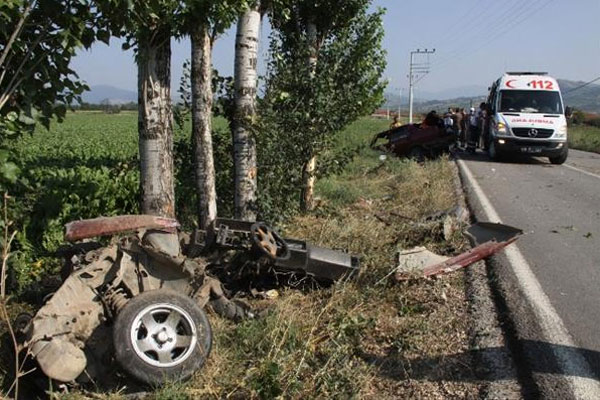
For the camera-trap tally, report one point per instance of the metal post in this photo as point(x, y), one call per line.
point(400, 104)
point(423, 69)
point(410, 90)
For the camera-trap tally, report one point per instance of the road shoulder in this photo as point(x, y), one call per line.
point(488, 343)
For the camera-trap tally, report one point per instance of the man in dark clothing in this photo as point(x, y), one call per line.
point(463, 126)
point(457, 118)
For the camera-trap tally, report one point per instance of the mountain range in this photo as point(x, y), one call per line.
point(586, 98)
point(106, 94)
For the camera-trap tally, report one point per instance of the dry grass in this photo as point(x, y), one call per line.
point(358, 339)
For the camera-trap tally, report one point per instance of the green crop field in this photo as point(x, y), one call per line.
point(584, 137)
point(87, 166)
point(83, 168)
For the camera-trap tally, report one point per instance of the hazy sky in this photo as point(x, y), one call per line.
point(475, 41)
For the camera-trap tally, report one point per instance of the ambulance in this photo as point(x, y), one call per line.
point(526, 116)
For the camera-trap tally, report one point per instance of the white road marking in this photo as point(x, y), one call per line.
point(581, 170)
point(574, 367)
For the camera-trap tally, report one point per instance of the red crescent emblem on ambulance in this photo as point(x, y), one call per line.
point(508, 83)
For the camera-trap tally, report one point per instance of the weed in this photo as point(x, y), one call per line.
point(584, 137)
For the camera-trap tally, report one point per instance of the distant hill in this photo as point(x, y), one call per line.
point(586, 99)
point(102, 94)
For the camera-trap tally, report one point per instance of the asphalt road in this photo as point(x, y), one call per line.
point(549, 283)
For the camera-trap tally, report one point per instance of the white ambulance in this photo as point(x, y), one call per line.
point(526, 116)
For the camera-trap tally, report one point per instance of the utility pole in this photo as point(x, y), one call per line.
point(399, 103)
point(417, 70)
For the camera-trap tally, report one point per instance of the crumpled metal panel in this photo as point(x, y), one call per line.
point(103, 226)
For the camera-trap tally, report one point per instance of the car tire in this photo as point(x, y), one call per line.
point(558, 160)
point(493, 151)
point(161, 336)
point(417, 154)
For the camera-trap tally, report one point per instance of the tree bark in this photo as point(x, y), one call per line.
point(155, 124)
point(202, 97)
point(244, 144)
point(309, 170)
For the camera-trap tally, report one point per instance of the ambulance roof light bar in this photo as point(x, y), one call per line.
point(526, 73)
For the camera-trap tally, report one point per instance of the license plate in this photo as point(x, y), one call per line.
point(531, 150)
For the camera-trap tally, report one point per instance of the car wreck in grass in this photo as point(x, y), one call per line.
point(416, 141)
point(148, 291)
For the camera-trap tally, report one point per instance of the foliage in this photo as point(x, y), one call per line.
point(304, 109)
point(222, 88)
point(578, 117)
point(38, 39)
point(86, 167)
point(217, 15)
point(82, 168)
point(584, 137)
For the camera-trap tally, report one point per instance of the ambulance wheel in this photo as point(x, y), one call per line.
point(493, 151)
point(560, 159)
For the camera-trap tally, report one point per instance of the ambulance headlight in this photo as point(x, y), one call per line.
point(561, 132)
point(501, 127)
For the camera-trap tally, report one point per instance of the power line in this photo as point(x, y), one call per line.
point(516, 8)
point(582, 86)
point(500, 33)
point(452, 34)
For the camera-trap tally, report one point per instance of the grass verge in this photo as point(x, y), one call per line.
point(361, 339)
point(584, 137)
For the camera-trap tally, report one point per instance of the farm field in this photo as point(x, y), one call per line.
point(364, 339)
point(584, 137)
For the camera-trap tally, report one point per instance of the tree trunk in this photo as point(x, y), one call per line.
point(155, 124)
point(309, 170)
point(244, 144)
point(202, 97)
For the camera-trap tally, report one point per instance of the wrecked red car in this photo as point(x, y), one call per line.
point(416, 141)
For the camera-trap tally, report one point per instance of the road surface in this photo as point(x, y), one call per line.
point(549, 282)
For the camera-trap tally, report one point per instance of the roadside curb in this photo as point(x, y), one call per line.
point(491, 354)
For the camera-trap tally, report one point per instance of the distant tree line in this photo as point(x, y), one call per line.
point(107, 107)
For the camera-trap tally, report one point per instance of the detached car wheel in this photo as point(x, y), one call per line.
point(161, 336)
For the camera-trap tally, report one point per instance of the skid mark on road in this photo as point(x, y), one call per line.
point(574, 366)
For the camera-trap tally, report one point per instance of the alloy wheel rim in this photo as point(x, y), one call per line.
point(163, 335)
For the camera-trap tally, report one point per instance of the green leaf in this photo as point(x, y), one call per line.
point(9, 171)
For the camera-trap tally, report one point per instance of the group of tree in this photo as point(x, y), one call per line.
point(323, 71)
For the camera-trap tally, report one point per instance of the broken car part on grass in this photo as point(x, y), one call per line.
point(149, 289)
point(488, 238)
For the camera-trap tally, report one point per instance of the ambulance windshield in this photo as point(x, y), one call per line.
point(530, 101)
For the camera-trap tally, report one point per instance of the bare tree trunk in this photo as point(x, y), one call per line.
point(202, 97)
point(244, 144)
point(155, 124)
point(309, 170)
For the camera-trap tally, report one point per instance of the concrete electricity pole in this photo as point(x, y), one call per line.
point(399, 103)
point(417, 70)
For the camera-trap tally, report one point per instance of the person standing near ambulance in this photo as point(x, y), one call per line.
point(473, 131)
